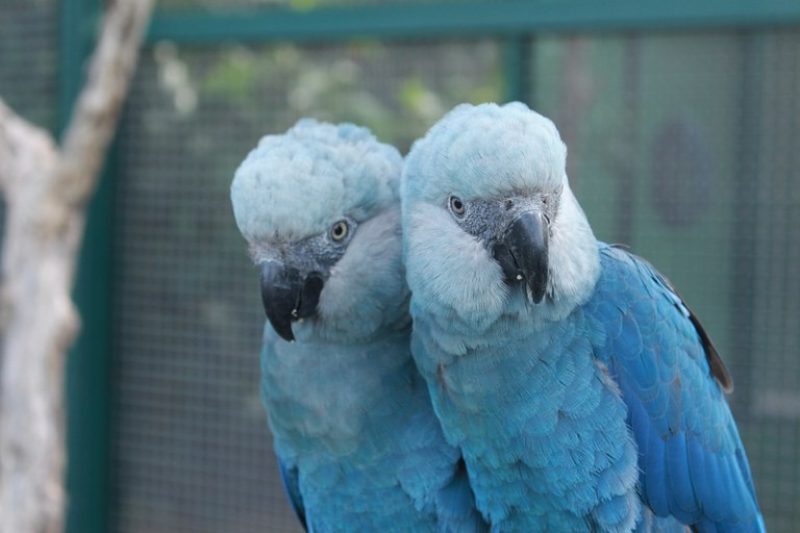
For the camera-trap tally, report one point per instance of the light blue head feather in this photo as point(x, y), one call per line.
point(485, 151)
point(299, 183)
point(489, 156)
point(288, 194)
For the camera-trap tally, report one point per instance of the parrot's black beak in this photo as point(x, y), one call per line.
point(288, 296)
point(522, 253)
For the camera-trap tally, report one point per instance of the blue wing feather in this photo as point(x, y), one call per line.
point(289, 477)
point(672, 379)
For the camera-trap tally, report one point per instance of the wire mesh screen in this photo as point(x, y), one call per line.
point(685, 147)
point(191, 451)
point(28, 62)
point(28, 35)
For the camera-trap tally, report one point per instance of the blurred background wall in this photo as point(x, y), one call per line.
point(683, 127)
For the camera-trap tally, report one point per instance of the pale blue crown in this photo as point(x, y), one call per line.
point(298, 184)
point(485, 151)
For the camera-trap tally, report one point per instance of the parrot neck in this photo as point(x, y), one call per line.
point(329, 398)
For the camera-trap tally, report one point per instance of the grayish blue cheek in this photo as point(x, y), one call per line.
point(484, 219)
point(318, 253)
point(488, 219)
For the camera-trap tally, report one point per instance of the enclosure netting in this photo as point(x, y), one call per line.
point(687, 148)
point(28, 58)
point(191, 449)
point(684, 146)
point(28, 36)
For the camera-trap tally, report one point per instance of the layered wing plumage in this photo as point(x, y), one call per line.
point(692, 461)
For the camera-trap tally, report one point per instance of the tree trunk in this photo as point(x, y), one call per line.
point(46, 191)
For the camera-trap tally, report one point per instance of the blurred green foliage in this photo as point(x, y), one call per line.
point(347, 83)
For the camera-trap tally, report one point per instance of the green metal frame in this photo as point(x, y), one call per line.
point(513, 21)
point(517, 68)
point(467, 19)
point(87, 371)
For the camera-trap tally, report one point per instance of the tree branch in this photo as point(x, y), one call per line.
point(22, 145)
point(97, 110)
point(46, 192)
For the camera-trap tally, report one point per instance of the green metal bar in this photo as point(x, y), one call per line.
point(512, 67)
point(72, 53)
point(517, 69)
point(468, 18)
point(87, 371)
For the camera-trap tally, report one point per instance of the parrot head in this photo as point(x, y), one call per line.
point(319, 209)
point(489, 216)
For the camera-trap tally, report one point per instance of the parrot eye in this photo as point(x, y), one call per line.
point(457, 206)
point(339, 231)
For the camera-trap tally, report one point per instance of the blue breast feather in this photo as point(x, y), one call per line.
point(372, 462)
point(692, 461)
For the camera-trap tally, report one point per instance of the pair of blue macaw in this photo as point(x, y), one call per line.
point(449, 348)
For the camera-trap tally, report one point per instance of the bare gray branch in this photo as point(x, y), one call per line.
point(46, 192)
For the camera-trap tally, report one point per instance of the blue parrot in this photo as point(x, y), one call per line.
point(582, 392)
point(359, 446)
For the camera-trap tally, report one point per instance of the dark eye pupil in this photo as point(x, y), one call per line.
point(457, 207)
point(339, 230)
